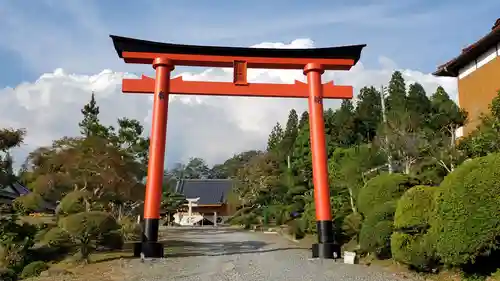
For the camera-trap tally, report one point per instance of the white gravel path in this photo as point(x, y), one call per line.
point(226, 254)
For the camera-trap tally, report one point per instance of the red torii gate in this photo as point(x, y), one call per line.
point(164, 57)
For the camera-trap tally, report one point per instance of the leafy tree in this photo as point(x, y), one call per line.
point(445, 119)
point(91, 163)
point(130, 138)
point(9, 138)
point(257, 181)
point(230, 167)
point(349, 170)
point(403, 135)
point(196, 168)
point(171, 202)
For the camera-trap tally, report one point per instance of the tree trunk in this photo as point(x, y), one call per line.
point(351, 199)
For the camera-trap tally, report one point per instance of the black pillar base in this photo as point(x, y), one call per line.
point(149, 246)
point(149, 249)
point(326, 248)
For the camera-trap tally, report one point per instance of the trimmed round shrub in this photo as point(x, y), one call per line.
point(468, 207)
point(73, 203)
point(415, 208)
point(376, 230)
point(376, 239)
point(28, 203)
point(412, 244)
point(88, 229)
point(382, 213)
point(352, 224)
point(34, 269)
point(416, 251)
point(383, 188)
point(92, 223)
point(57, 237)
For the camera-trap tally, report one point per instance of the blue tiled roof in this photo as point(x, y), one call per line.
point(210, 191)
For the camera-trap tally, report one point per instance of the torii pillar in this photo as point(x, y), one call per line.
point(164, 57)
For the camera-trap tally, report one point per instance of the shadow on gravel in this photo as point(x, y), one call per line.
point(178, 248)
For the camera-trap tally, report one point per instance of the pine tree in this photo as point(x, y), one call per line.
point(418, 106)
point(290, 134)
point(304, 120)
point(90, 125)
point(90, 117)
point(275, 137)
point(396, 101)
point(368, 113)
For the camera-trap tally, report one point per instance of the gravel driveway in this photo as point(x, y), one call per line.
point(227, 254)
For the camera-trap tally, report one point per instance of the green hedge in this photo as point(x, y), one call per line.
point(411, 243)
point(376, 238)
point(416, 207)
point(351, 225)
point(383, 188)
point(468, 207)
point(73, 203)
point(28, 203)
point(376, 230)
point(416, 251)
point(34, 269)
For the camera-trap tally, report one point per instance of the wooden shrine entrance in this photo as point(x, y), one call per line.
point(164, 57)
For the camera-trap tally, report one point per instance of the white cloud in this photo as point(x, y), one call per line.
point(210, 127)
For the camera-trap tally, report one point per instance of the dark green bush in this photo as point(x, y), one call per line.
point(412, 243)
point(7, 274)
point(416, 251)
point(34, 269)
point(383, 188)
point(415, 208)
point(87, 228)
point(352, 225)
point(28, 203)
point(468, 207)
point(376, 238)
point(376, 230)
point(244, 217)
point(57, 237)
point(74, 202)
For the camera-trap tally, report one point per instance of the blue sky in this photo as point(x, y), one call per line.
point(39, 36)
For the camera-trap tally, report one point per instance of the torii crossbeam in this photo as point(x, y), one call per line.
point(164, 57)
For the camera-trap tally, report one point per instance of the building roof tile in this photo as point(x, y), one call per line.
point(210, 191)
